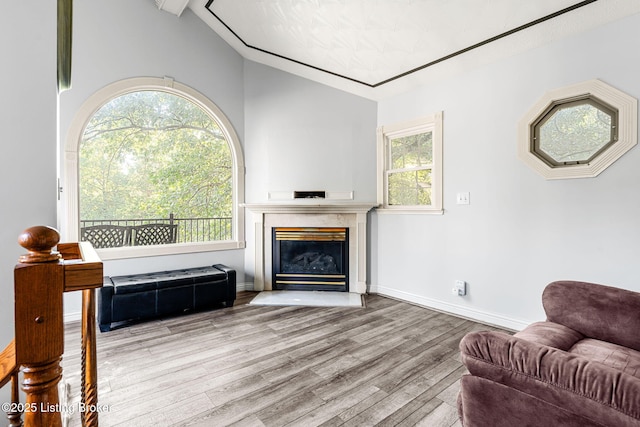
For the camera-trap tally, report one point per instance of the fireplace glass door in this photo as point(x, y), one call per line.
point(310, 258)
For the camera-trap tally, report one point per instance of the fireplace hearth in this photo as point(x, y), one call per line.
point(310, 258)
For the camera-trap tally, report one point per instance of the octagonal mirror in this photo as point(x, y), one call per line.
point(574, 131)
point(578, 131)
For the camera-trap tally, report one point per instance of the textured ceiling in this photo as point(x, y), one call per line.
point(379, 47)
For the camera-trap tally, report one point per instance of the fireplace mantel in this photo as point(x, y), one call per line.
point(311, 213)
point(310, 206)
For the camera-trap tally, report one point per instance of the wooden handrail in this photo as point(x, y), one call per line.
point(40, 278)
point(9, 372)
point(7, 363)
point(82, 266)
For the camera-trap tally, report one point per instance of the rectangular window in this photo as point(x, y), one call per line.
point(410, 165)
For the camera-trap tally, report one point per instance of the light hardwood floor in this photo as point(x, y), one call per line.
point(389, 364)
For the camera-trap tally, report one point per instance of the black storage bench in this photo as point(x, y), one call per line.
point(149, 295)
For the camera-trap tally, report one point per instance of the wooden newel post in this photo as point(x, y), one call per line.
point(39, 339)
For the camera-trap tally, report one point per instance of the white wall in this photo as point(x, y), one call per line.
point(28, 137)
point(302, 135)
point(121, 39)
point(520, 231)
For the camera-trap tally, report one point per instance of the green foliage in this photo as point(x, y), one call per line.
point(147, 154)
point(411, 188)
point(412, 151)
point(409, 176)
point(575, 133)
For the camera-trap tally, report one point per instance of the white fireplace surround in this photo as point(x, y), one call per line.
point(311, 213)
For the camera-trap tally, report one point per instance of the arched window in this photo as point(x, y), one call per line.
point(153, 168)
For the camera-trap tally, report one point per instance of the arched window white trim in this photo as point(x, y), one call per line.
point(72, 146)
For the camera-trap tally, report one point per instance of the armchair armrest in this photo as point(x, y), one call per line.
point(550, 334)
point(596, 391)
point(596, 311)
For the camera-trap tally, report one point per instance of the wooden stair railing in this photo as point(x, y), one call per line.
point(9, 372)
point(7, 363)
point(40, 278)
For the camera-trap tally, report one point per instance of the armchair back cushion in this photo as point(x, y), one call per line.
point(596, 311)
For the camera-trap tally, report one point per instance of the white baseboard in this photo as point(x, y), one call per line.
point(455, 309)
point(246, 286)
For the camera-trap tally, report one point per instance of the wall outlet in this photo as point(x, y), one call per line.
point(459, 288)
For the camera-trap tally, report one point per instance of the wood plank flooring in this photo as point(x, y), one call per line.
point(388, 364)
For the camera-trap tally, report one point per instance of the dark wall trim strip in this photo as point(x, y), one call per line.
point(422, 67)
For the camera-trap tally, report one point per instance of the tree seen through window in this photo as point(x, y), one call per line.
point(153, 157)
point(409, 175)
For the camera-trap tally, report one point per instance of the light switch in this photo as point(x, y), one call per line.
point(463, 198)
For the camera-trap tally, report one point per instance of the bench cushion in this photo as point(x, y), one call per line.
point(134, 283)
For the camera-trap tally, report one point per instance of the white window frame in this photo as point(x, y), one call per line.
point(626, 106)
point(71, 171)
point(432, 123)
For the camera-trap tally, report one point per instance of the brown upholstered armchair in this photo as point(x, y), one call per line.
point(581, 367)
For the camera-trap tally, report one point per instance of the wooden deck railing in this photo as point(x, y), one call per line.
point(40, 278)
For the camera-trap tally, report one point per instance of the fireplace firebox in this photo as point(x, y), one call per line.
point(310, 258)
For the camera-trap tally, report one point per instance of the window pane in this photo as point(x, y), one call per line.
point(412, 151)
point(411, 188)
point(575, 133)
point(155, 157)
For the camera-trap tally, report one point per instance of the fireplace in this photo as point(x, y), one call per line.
point(310, 258)
point(306, 213)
